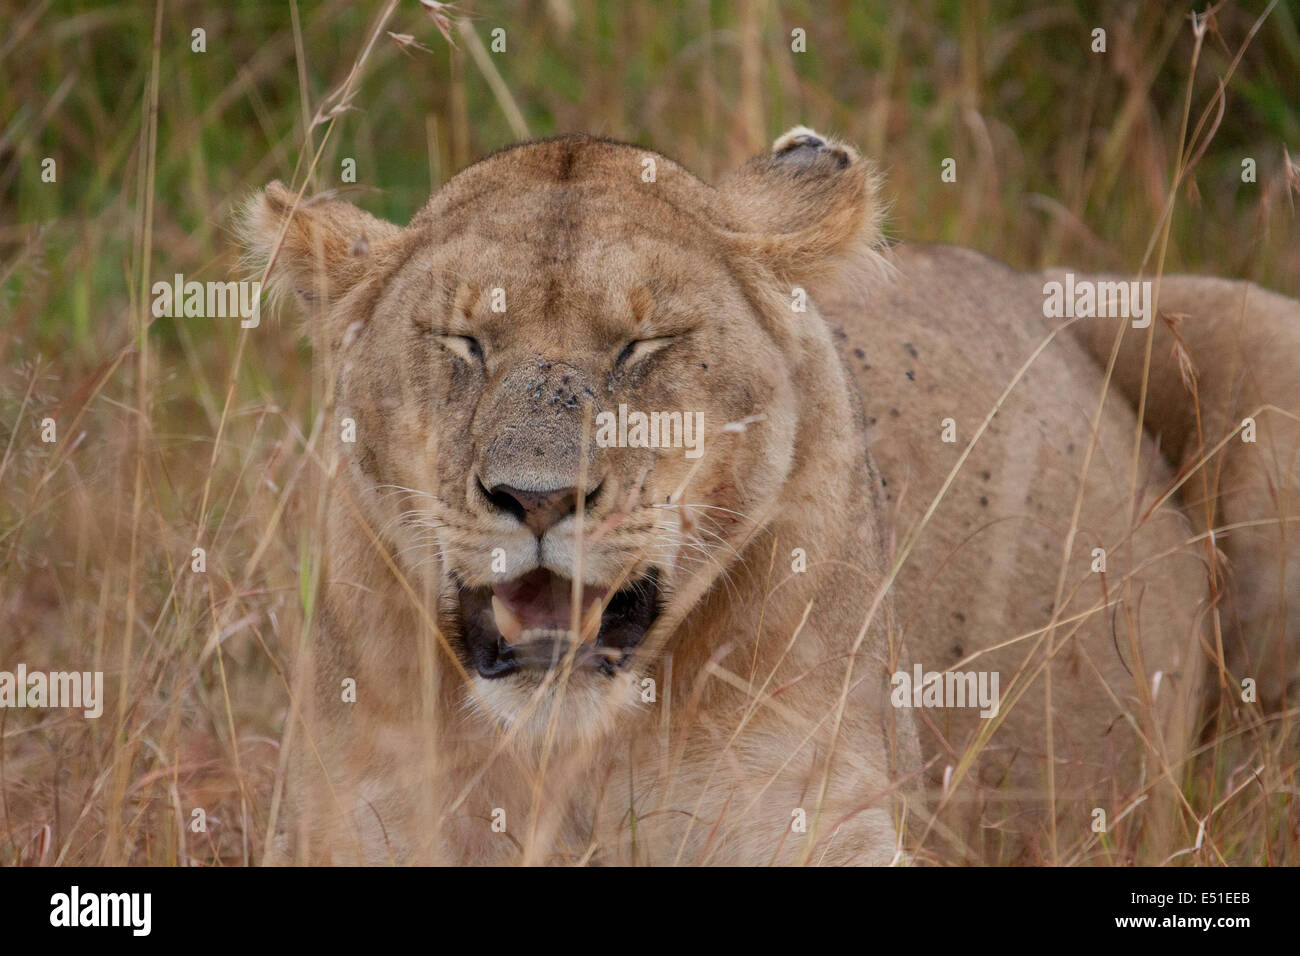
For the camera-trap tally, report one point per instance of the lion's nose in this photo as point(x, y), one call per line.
point(539, 510)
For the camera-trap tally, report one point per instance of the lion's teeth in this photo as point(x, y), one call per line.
point(507, 623)
point(545, 634)
point(590, 626)
point(558, 635)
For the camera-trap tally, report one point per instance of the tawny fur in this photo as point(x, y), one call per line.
point(771, 685)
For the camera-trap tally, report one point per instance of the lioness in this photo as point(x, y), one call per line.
point(541, 638)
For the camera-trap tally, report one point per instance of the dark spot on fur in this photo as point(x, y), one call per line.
point(959, 616)
point(893, 413)
point(705, 366)
point(910, 349)
point(567, 161)
point(986, 475)
point(984, 501)
point(956, 650)
point(368, 462)
point(911, 375)
point(859, 353)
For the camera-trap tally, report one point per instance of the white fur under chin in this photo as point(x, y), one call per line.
point(589, 706)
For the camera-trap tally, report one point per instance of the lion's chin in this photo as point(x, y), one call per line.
point(580, 708)
point(524, 628)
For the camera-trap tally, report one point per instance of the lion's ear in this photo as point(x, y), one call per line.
point(317, 249)
point(806, 208)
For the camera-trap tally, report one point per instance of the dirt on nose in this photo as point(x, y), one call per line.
point(532, 426)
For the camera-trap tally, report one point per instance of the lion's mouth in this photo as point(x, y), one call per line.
point(527, 622)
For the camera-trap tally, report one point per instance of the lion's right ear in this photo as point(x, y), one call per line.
point(317, 249)
point(806, 209)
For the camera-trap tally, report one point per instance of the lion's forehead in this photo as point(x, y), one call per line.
point(572, 193)
point(573, 225)
point(559, 223)
point(518, 265)
point(577, 161)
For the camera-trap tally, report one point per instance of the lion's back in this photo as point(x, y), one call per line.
point(932, 352)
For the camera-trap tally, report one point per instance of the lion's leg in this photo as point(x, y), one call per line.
point(1243, 345)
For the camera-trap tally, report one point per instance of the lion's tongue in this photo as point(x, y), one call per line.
point(541, 600)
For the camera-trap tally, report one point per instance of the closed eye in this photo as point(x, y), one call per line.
point(467, 347)
point(639, 349)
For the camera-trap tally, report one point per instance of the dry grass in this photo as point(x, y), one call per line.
point(181, 434)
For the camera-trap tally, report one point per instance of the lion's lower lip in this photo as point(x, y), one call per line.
point(627, 618)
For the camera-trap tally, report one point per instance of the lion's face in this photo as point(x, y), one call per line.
point(507, 464)
point(574, 402)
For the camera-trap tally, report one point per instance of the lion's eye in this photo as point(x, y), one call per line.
point(467, 347)
point(636, 350)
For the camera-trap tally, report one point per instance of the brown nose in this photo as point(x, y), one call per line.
point(539, 510)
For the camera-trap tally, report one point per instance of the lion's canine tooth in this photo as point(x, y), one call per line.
point(590, 626)
point(507, 623)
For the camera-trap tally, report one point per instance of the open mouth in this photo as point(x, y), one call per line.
point(527, 622)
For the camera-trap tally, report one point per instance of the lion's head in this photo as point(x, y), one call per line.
point(513, 355)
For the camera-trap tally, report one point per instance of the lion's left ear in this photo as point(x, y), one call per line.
point(805, 209)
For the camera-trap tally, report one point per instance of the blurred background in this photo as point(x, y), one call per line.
point(176, 434)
